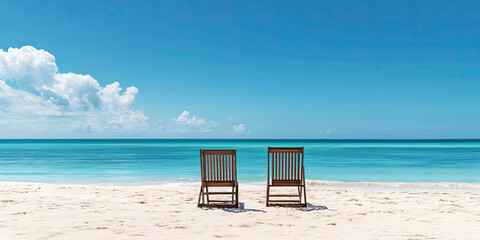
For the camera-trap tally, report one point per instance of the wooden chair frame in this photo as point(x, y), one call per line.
point(285, 169)
point(219, 169)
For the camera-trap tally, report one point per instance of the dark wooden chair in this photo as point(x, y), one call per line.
point(285, 169)
point(219, 170)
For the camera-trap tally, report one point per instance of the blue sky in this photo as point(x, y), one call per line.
point(240, 69)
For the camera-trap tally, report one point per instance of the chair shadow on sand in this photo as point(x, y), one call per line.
point(241, 209)
point(311, 207)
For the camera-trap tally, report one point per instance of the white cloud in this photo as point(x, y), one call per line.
point(237, 127)
point(240, 128)
point(189, 123)
point(31, 87)
point(328, 131)
point(112, 98)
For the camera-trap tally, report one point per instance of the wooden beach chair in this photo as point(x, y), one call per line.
point(285, 169)
point(219, 171)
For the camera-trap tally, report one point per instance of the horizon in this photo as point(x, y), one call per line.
point(239, 70)
point(261, 139)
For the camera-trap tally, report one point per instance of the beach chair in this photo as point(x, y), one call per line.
point(285, 169)
point(219, 171)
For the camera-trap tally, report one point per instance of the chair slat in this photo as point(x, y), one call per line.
point(290, 164)
point(210, 167)
point(217, 162)
point(286, 166)
point(278, 165)
point(220, 166)
point(294, 161)
point(273, 165)
point(228, 167)
point(223, 167)
point(206, 166)
point(294, 166)
point(217, 169)
point(214, 169)
point(298, 166)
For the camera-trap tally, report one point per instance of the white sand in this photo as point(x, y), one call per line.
point(50, 211)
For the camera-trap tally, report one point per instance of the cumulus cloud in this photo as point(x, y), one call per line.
point(239, 128)
point(186, 122)
point(31, 87)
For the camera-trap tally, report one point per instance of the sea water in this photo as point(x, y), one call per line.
point(154, 161)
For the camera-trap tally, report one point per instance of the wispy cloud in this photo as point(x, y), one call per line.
point(240, 128)
point(237, 127)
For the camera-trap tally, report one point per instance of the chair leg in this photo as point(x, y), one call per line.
point(300, 194)
point(268, 193)
point(208, 195)
point(236, 199)
point(200, 195)
point(304, 186)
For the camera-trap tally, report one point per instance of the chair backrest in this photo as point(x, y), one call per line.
point(286, 163)
point(218, 165)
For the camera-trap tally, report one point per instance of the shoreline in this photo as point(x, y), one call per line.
point(320, 184)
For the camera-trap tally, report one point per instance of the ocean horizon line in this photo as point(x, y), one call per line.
point(260, 139)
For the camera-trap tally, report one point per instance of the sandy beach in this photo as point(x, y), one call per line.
point(52, 211)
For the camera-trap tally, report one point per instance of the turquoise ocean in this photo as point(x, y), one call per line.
point(155, 161)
